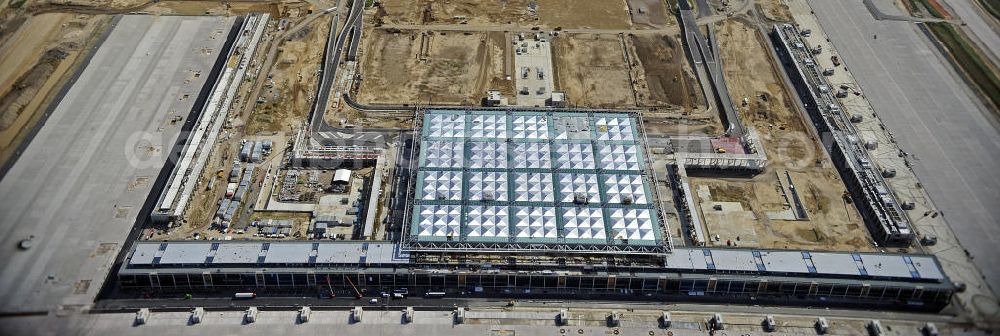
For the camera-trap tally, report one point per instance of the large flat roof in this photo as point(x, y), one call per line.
point(251, 253)
point(805, 263)
point(532, 177)
point(300, 256)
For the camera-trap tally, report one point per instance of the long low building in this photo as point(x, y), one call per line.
point(882, 212)
point(892, 281)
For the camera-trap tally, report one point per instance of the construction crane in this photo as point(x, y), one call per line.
point(329, 286)
point(357, 294)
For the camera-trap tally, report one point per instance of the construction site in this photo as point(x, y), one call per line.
point(637, 151)
point(553, 147)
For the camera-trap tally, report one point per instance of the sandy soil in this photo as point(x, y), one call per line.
point(650, 14)
point(775, 10)
point(602, 14)
point(455, 11)
point(833, 223)
point(591, 69)
point(25, 46)
point(454, 68)
point(549, 13)
point(287, 97)
point(666, 78)
point(217, 8)
point(33, 67)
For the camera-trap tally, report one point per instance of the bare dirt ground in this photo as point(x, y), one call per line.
point(601, 14)
point(591, 69)
point(650, 14)
point(775, 10)
point(473, 12)
point(287, 96)
point(666, 78)
point(834, 224)
point(34, 60)
point(176, 7)
point(548, 13)
point(411, 67)
point(214, 8)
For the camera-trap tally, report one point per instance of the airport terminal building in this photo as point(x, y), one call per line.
point(731, 275)
point(524, 204)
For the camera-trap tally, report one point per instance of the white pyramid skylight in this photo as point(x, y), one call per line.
point(487, 222)
point(614, 128)
point(488, 126)
point(530, 127)
point(535, 222)
point(533, 187)
point(439, 221)
point(583, 223)
point(575, 156)
point(579, 188)
point(619, 157)
point(625, 189)
point(441, 185)
point(531, 155)
point(506, 181)
point(488, 155)
point(446, 126)
point(631, 224)
point(488, 186)
point(443, 154)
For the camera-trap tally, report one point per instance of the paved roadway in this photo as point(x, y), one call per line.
point(933, 115)
point(80, 183)
point(702, 53)
point(527, 318)
point(331, 62)
point(980, 23)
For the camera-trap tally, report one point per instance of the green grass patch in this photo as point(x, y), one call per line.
point(16, 3)
point(966, 56)
point(923, 5)
point(991, 6)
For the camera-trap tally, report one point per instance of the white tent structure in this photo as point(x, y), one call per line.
point(631, 224)
point(487, 186)
point(575, 156)
point(620, 157)
point(530, 127)
point(441, 185)
point(443, 154)
point(535, 222)
point(342, 175)
point(533, 187)
point(578, 185)
point(489, 126)
point(584, 223)
point(531, 155)
point(625, 189)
